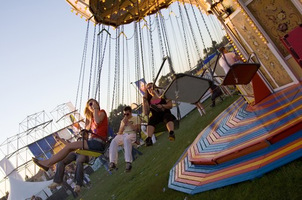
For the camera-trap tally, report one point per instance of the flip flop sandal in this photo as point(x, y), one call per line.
point(77, 189)
point(36, 161)
point(54, 185)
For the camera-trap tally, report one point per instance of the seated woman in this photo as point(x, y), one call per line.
point(160, 110)
point(97, 122)
point(227, 59)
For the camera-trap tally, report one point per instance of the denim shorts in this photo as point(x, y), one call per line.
point(95, 145)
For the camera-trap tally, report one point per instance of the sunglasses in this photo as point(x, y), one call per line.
point(126, 114)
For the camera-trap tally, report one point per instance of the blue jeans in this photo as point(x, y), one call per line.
point(79, 173)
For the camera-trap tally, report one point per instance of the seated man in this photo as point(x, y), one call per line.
point(126, 136)
point(79, 172)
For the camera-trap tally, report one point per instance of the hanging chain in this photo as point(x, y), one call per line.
point(99, 68)
point(137, 63)
point(152, 50)
point(183, 27)
point(180, 61)
point(123, 67)
point(109, 76)
point(82, 70)
point(91, 64)
point(117, 101)
point(128, 71)
point(142, 52)
point(102, 58)
point(199, 30)
point(159, 35)
point(207, 28)
point(165, 37)
point(164, 28)
point(96, 62)
point(191, 28)
point(115, 71)
point(217, 34)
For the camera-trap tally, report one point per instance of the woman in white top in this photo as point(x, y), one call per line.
point(227, 59)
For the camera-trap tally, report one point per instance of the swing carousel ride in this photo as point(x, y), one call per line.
point(260, 131)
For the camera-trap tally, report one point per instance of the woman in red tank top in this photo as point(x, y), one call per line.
point(97, 122)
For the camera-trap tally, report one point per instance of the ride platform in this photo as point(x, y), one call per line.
point(242, 143)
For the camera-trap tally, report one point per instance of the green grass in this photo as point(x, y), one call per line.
point(148, 179)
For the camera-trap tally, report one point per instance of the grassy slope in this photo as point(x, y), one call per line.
point(149, 176)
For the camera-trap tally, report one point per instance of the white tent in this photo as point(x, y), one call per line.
point(20, 189)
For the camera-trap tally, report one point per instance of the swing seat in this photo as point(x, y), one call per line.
point(187, 88)
point(93, 153)
point(89, 152)
point(241, 73)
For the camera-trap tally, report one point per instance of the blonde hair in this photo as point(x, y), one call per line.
point(87, 112)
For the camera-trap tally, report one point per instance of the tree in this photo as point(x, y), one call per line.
point(214, 44)
point(165, 80)
point(115, 118)
point(224, 40)
point(205, 51)
point(210, 50)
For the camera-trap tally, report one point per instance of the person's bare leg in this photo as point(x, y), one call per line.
point(200, 108)
point(150, 130)
point(63, 153)
point(170, 126)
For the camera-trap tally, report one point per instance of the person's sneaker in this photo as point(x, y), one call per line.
point(54, 185)
point(77, 189)
point(112, 166)
point(171, 136)
point(149, 141)
point(128, 167)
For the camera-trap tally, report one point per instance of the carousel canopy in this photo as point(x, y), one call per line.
point(115, 13)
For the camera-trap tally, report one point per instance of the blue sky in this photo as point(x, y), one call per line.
point(41, 44)
point(41, 47)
